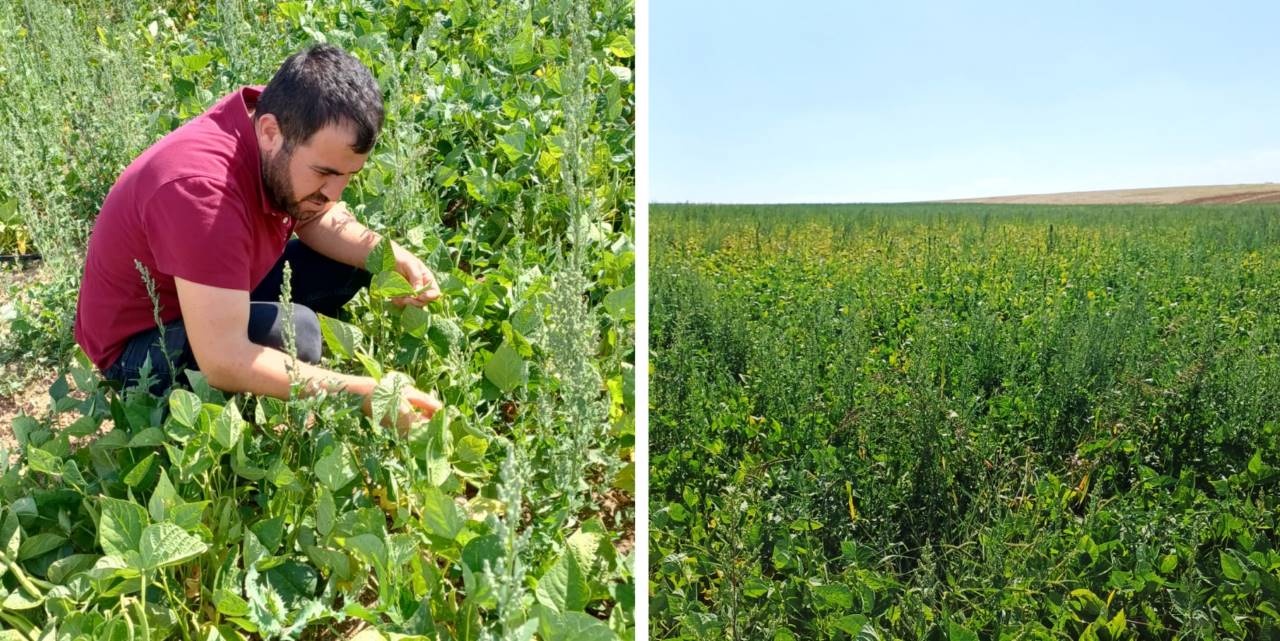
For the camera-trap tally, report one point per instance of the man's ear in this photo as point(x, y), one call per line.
point(270, 138)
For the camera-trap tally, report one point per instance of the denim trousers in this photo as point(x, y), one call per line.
point(318, 285)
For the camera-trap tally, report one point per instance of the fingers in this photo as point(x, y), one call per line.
point(418, 300)
point(416, 406)
point(421, 402)
point(429, 290)
point(426, 404)
point(424, 284)
point(422, 280)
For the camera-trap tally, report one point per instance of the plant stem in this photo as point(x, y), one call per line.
point(27, 583)
point(24, 627)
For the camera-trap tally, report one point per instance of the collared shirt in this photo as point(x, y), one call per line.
point(192, 206)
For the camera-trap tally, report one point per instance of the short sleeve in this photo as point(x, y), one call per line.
point(199, 230)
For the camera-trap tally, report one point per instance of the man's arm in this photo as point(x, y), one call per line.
point(217, 321)
point(337, 234)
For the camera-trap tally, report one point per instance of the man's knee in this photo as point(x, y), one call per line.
point(266, 327)
point(307, 333)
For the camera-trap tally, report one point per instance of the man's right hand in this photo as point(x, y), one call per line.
point(416, 405)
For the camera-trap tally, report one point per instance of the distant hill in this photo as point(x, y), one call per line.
point(1189, 195)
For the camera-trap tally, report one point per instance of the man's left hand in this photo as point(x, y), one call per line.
point(420, 279)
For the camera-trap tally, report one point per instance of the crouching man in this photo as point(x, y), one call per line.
point(210, 211)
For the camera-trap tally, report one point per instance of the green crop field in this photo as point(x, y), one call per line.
point(963, 422)
point(506, 163)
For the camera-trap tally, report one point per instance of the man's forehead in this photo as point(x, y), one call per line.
point(331, 148)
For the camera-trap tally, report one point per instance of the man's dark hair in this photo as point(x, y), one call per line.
point(323, 85)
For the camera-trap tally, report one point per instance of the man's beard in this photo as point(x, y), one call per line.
point(279, 187)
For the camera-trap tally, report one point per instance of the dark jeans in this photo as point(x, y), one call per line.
point(319, 285)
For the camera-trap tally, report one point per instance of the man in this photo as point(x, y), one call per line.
point(207, 212)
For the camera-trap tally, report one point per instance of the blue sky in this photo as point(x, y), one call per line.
point(895, 101)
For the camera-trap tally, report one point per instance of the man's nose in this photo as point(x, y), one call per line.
point(333, 187)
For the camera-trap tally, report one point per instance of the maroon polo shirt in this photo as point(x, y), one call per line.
point(192, 206)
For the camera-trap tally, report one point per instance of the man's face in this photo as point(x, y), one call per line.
point(307, 179)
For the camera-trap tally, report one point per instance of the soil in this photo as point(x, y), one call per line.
point(32, 400)
point(16, 275)
point(1186, 195)
point(22, 391)
point(1244, 197)
point(613, 502)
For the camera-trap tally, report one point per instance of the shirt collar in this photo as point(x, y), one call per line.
point(244, 100)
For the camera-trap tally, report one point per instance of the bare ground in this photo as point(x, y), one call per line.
point(21, 391)
point(1186, 195)
point(32, 400)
